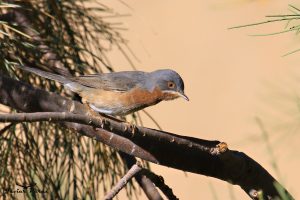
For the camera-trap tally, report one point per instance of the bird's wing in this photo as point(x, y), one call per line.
point(118, 81)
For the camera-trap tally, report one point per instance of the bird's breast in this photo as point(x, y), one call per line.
point(117, 102)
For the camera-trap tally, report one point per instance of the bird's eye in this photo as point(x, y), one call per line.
point(171, 84)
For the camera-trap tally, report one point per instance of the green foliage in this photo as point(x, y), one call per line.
point(71, 36)
point(62, 164)
point(282, 192)
point(291, 24)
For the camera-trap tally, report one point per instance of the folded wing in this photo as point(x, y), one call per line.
point(117, 81)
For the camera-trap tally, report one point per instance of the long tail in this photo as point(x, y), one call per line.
point(47, 75)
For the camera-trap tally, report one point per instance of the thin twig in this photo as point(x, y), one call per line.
point(144, 182)
point(264, 22)
point(294, 7)
point(295, 15)
point(122, 183)
point(135, 170)
point(152, 119)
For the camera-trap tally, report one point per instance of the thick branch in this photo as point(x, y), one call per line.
point(107, 124)
point(184, 153)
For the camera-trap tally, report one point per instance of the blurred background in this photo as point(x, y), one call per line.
point(241, 88)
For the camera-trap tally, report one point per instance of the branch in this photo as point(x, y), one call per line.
point(144, 182)
point(209, 158)
point(160, 183)
point(116, 127)
point(134, 170)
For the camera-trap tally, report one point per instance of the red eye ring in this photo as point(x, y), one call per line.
point(171, 84)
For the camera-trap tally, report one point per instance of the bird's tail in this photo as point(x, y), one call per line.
point(45, 74)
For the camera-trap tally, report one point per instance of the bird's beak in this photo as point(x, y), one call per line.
point(183, 96)
point(176, 94)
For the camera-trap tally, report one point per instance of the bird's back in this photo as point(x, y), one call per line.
point(115, 81)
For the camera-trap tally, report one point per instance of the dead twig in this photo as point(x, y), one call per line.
point(136, 168)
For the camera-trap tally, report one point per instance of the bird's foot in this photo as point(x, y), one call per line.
point(129, 127)
point(91, 113)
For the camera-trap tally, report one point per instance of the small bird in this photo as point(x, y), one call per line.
point(121, 93)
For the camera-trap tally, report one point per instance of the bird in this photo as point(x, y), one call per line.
point(121, 93)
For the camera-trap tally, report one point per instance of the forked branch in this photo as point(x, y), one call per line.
point(135, 170)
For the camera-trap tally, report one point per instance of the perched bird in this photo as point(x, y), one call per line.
point(121, 93)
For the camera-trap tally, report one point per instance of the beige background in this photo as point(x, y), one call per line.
point(230, 78)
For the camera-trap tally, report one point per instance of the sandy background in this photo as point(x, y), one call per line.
point(230, 79)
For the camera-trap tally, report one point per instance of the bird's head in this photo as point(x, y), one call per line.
point(170, 83)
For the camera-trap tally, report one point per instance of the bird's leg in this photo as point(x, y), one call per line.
point(128, 126)
point(112, 117)
point(102, 116)
point(92, 113)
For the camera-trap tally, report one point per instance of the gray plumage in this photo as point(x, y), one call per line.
point(167, 81)
point(119, 81)
point(48, 75)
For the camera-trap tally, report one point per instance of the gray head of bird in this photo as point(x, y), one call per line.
point(170, 83)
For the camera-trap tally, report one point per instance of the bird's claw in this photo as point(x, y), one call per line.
point(129, 127)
